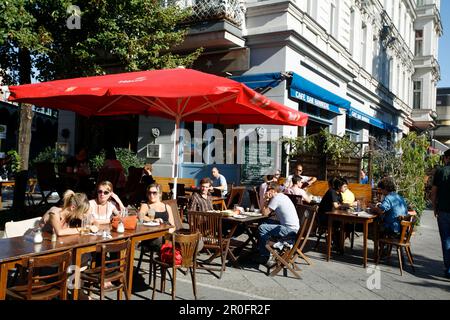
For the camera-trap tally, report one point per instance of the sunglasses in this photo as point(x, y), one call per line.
point(103, 192)
point(153, 192)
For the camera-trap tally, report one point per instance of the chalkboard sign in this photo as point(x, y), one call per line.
point(258, 161)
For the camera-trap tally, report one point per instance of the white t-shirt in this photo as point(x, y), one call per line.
point(285, 211)
point(288, 182)
point(94, 210)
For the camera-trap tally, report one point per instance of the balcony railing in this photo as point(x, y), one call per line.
point(204, 10)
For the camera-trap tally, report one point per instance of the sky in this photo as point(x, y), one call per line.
point(444, 45)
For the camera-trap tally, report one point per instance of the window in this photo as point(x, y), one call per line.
point(351, 47)
point(333, 19)
point(419, 43)
point(420, 3)
point(417, 95)
point(363, 45)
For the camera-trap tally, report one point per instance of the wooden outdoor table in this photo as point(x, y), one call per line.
point(251, 236)
point(344, 216)
point(5, 183)
point(13, 250)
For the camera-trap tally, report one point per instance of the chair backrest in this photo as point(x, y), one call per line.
point(407, 222)
point(19, 228)
point(188, 246)
point(109, 174)
point(296, 200)
point(254, 197)
point(209, 224)
point(172, 203)
point(307, 215)
point(236, 196)
point(46, 176)
point(134, 177)
point(118, 264)
point(54, 277)
point(180, 188)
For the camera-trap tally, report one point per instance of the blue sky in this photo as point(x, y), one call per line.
point(444, 45)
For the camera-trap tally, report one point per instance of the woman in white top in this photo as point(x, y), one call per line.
point(66, 220)
point(105, 204)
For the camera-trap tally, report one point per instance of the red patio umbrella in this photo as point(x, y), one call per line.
point(179, 94)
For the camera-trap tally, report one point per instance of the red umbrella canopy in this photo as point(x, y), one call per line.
point(180, 94)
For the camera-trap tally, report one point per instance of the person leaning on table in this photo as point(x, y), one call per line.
point(67, 219)
point(286, 226)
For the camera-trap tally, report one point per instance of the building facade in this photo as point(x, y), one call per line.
point(357, 67)
point(442, 132)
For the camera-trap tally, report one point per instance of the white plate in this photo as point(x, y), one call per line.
point(151, 223)
point(239, 216)
point(252, 214)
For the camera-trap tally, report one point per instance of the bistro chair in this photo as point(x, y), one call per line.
point(19, 228)
point(47, 180)
point(187, 244)
point(286, 256)
point(236, 196)
point(45, 276)
point(402, 242)
point(209, 224)
point(254, 197)
point(112, 269)
point(296, 200)
point(146, 251)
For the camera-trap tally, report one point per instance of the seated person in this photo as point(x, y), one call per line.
point(288, 224)
point(147, 177)
point(77, 172)
point(364, 178)
point(67, 219)
point(111, 162)
point(348, 197)
point(297, 190)
point(106, 204)
point(390, 209)
point(219, 182)
point(202, 201)
point(306, 181)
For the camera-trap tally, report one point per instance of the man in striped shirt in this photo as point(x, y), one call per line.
point(202, 201)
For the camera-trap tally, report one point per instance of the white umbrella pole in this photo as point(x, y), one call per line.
point(175, 165)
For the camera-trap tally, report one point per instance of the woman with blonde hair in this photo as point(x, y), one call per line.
point(106, 204)
point(67, 219)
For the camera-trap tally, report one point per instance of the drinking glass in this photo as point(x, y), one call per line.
point(151, 214)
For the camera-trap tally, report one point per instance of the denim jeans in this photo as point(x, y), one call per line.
point(270, 229)
point(444, 231)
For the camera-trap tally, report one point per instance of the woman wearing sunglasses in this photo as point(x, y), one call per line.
point(105, 204)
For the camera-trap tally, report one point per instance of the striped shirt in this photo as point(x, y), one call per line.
point(198, 203)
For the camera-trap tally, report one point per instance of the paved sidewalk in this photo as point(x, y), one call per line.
point(341, 278)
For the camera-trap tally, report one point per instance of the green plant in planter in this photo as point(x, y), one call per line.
point(53, 155)
point(300, 145)
point(126, 157)
point(336, 147)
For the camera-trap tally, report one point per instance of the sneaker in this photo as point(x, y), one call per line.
point(270, 262)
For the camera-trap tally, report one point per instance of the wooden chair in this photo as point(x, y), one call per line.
point(19, 228)
point(296, 200)
point(403, 242)
point(254, 197)
point(179, 225)
point(111, 269)
point(286, 257)
point(42, 285)
point(188, 246)
point(236, 196)
point(209, 224)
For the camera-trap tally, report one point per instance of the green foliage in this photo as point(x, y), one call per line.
point(126, 157)
point(53, 155)
point(334, 147)
point(408, 164)
point(15, 164)
point(115, 36)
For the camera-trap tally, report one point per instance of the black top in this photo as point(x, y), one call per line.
point(164, 215)
point(331, 196)
point(442, 181)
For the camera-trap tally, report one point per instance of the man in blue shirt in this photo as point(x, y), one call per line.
point(440, 197)
point(219, 181)
point(392, 207)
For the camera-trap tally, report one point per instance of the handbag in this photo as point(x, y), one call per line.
point(129, 222)
point(167, 254)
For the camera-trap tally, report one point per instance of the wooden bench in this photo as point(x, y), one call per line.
point(164, 182)
point(361, 191)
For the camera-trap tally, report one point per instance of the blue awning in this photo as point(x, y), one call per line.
point(355, 113)
point(314, 94)
point(260, 81)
